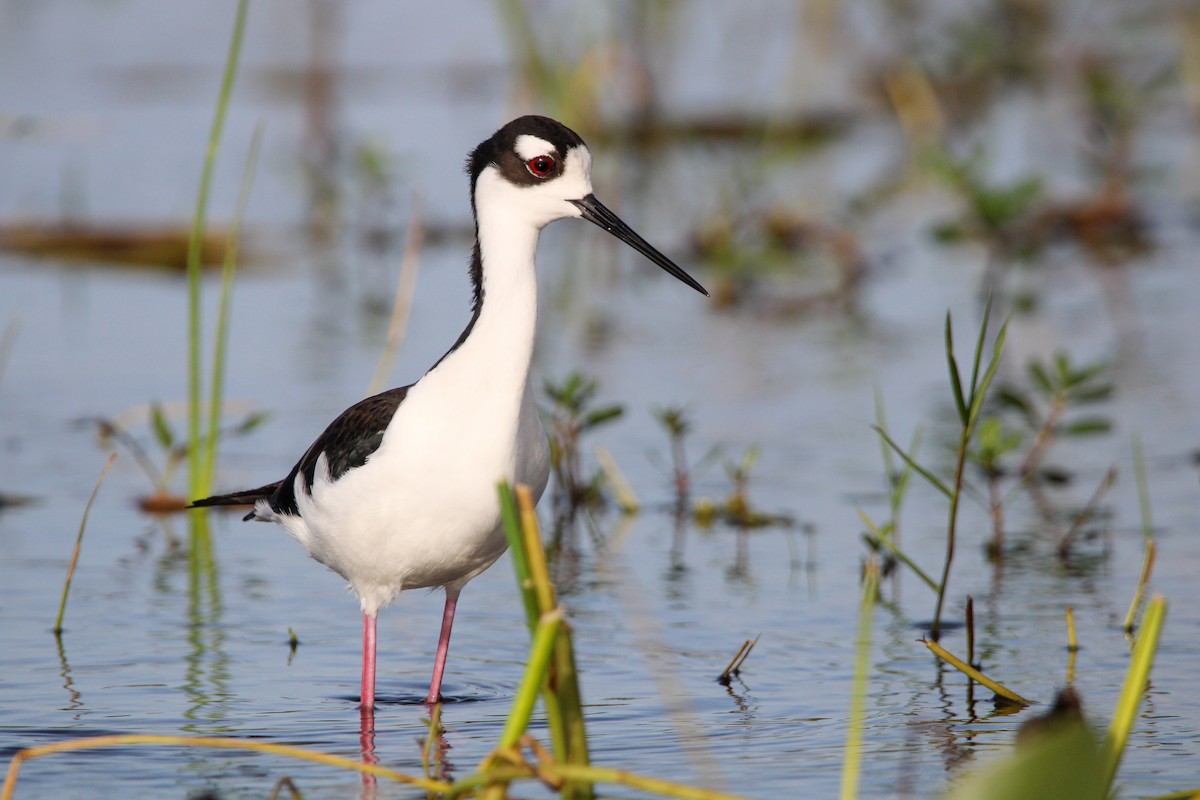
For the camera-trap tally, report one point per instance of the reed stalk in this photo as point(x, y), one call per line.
point(852, 759)
point(1143, 486)
point(1068, 538)
point(285, 784)
point(410, 266)
point(1140, 591)
point(971, 630)
point(218, 742)
point(536, 673)
point(1072, 646)
point(1149, 549)
point(974, 674)
point(220, 345)
point(891, 547)
point(1136, 681)
point(197, 486)
point(560, 689)
point(62, 606)
point(739, 658)
point(511, 521)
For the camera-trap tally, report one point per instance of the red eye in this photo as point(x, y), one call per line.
point(540, 166)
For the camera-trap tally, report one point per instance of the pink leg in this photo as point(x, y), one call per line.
point(439, 663)
point(368, 661)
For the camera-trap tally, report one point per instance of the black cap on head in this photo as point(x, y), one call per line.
point(501, 149)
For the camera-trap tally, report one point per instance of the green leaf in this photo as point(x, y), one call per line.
point(1063, 367)
point(1014, 399)
point(949, 232)
point(1085, 374)
point(995, 440)
point(602, 415)
point(674, 419)
point(1091, 394)
point(1040, 378)
point(924, 473)
point(162, 429)
point(878, 538)
point(977, 395)
point(999, 207)
point(1087, 426)
point(978, 359)
point(251, 422)
point(955, 380)
point(1055, 475)
point(1062, 762)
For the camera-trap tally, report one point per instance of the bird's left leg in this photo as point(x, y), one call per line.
point(439, 663)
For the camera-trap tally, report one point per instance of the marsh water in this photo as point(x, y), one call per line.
point(104, 110)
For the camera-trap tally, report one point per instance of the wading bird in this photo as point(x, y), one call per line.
point(399, 492)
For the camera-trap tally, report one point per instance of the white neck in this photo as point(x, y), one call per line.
point(495, 356)
point(507, 321)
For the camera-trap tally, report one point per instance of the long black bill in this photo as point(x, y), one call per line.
point(595, 211)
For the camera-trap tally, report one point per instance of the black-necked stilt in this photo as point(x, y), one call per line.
point(399, 492)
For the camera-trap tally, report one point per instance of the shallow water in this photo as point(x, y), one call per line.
point(148, 650)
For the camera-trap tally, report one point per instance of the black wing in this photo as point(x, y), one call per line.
point(243, 498)
point(347, 443)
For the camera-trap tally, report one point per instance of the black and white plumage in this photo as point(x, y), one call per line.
point(399, 492)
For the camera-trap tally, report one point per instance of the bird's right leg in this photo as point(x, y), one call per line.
point(368, 661)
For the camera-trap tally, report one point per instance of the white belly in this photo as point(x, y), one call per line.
point(424, 510)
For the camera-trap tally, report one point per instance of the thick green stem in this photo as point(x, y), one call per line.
point(196, 483)
point(209, 458)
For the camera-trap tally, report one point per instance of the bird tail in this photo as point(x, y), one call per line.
point(243, 498)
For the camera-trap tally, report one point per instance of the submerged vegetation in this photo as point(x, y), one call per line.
point(572, 414)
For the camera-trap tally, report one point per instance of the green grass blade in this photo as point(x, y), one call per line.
point(901, 487)
point(511, 521)
point(852, 759)
point(161, 428)
point(978, 396)
point(537, 669)
point(955, 380)
point(978, 359)
point(1143, 488)
point(62, 606)
point(887, 542)
point(195, 477)
point(570, 706)
point(1186, 794)
point(1136, 679)
point(934, 481)
point(1140, 591)
point(209, 460)
point(564, 704)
